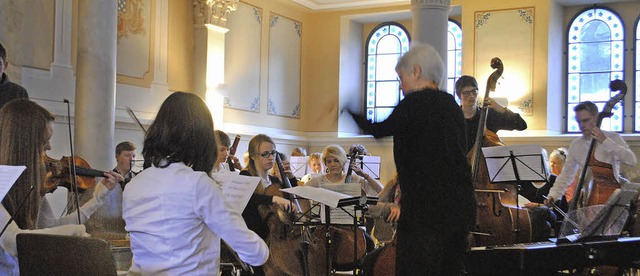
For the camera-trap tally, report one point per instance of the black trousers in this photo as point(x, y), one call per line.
point(423, 253)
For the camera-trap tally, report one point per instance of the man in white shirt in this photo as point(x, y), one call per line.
point(610, 148)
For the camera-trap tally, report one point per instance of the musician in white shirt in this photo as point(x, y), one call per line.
point(610, 148)
point(175, 212)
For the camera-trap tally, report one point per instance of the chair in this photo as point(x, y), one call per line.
point(40, 254)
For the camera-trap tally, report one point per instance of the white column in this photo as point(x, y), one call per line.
point(95, 84)
point(61, 66)
point(430, 19)
point(160, 83)
point(210, 18)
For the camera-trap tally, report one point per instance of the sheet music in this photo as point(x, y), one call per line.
point(8, 176)
point(371, 165)
point(236, 188)
point(299, 165)
point(324, 196)
point(530, 163)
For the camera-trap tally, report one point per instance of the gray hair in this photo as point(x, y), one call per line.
point(429, 61)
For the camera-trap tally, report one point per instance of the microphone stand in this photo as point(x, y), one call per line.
point(19, 207)
point(72, 168)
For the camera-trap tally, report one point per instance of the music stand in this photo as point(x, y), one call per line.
point(331, 200)
point(516, 163)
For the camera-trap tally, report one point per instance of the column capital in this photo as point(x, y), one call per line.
point(431, 3)
point(213, 12)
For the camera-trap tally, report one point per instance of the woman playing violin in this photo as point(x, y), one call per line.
point(25, 131)
point(499, 117)
point(262, 151)
point(335, 159)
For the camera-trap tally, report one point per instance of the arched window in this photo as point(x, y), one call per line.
point(454, 56)
point(595, 56)
point(385, 44)
point(637, 90)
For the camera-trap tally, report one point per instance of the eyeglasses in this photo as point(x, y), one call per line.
point(266, 154)
point(469, 92)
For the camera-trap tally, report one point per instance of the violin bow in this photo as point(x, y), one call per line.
point(72, 168)
point(135, 118)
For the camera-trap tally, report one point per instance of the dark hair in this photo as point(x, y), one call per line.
point(125, 146)
point(23, 138)
point(181, 131)
point(222, 138)
point(588, 106)
point(465, 81)
point(3, 53)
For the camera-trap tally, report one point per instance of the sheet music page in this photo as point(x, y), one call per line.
point(8, 176)
point(371, 166)
point(529, 159)
point(299, 165)
point(321, 195)
point(237, 188)
point(342, 215)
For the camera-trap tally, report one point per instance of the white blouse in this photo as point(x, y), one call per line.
point(176, 217)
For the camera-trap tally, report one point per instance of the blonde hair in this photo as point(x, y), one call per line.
point(315, 156)
point(561, 153)
point(334, 151)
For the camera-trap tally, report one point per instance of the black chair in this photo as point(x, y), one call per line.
point(40, 254)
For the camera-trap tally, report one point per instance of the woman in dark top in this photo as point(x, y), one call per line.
point(262, 152)
point(498, 117)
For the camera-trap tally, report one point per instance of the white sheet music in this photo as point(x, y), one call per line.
point(236, 188)
point(371, 165)
point(529, 159)
point(8, 176)
point(299, 165)
point(331, 199)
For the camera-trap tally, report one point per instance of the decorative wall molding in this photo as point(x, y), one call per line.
point(213, 11)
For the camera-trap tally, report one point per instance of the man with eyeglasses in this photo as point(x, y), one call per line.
point(610, 149)
point(498, 117)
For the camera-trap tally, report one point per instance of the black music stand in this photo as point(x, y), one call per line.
point(359, 204)
point(328, 199)
point(515, 164)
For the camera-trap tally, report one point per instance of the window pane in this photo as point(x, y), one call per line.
point(389, 45)
point(371, 94)
point(595, 30)
point(595, 57)
point(387, 93)
point(386, 65)
point(594, 87)
point(383, 113)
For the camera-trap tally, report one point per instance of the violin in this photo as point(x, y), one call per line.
point(59, 173)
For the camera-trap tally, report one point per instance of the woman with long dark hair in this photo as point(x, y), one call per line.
point(174, 212)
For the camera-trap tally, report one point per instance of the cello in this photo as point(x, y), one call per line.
point(293, 249)
point(604, 182)
point(498, 222)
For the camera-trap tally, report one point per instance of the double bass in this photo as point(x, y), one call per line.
point(498, 222)
point(604, 182)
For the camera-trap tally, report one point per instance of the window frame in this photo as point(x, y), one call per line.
point(366, 63)
point(569, 113)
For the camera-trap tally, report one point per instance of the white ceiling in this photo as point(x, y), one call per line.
point(338, 4)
